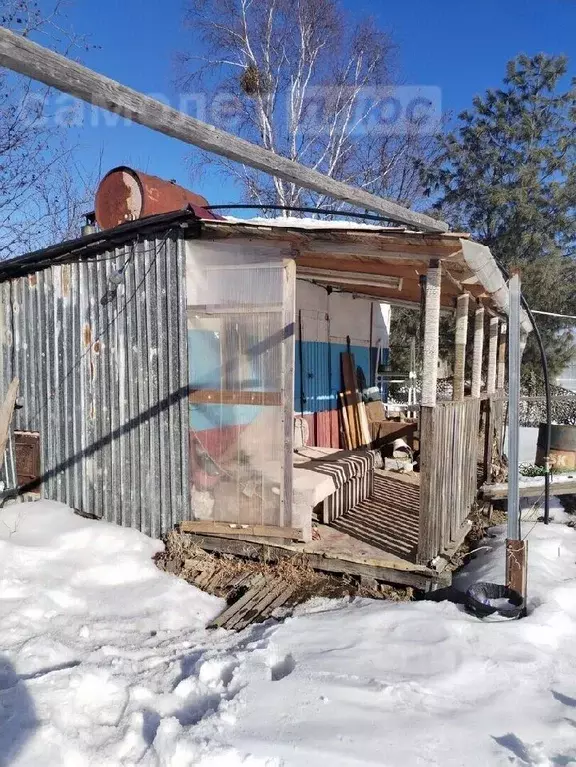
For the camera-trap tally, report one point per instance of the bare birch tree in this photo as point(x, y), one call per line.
point(38, 189)
point(297, 77)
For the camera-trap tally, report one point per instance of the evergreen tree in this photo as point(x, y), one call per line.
point(507, 174)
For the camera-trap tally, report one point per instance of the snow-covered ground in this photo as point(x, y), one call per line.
point(104, 661)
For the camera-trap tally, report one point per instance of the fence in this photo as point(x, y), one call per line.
point(448, 472)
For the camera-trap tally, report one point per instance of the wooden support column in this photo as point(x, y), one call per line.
point(478, 351)
point(460, 348)
point(431, 334)
point(429, 528)
point(492, 355)
point(501, 368)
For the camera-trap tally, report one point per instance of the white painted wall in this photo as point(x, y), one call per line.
point(333, 317)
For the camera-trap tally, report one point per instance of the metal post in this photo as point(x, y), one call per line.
point(513, 410)
point(515, 547)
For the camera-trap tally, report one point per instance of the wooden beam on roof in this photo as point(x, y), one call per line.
point(379, 245)
point(22, 55)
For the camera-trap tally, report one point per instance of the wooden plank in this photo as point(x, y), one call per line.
point(255, 611)
point(352, 398)
point(22, 55)
point(233, 529)
point(499, 492)
point(226, 397)
point(227, 615)
point(364, 427)
point(324, 560)
point(427, 538)
point(345, 422)
point(6, 413)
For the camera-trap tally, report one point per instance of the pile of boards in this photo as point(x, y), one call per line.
point(353, 414)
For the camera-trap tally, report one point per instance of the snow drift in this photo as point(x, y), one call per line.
point(104, 660)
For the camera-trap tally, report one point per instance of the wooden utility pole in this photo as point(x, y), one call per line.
point(22, 55)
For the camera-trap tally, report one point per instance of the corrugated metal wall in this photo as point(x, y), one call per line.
point(104, 379)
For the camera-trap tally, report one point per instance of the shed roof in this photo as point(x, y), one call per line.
point(329, 252)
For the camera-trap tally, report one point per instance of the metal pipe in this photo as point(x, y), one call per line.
point(514, 355)
point(300, 209)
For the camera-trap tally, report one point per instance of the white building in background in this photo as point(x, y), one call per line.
point(567, 378)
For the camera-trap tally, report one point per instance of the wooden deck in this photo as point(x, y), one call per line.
point(376, 539)
point(389, 520)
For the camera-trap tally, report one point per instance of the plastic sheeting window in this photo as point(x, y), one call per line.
point(238, 383)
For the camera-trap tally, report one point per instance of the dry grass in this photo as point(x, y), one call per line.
point(216, 573)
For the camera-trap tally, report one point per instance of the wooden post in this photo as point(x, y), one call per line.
point(431, 334)
point(32, 60)
point(6, 413)
point(492, 354)
point(501, 370)
point(429, 523)
point(517, 565)
point(460, 348)
point(428, 537)
point(478, 351)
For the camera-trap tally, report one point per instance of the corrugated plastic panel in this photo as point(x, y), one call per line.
point(236, 336)
point(103, 374)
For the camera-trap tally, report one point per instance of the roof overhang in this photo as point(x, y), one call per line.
point(393, 260)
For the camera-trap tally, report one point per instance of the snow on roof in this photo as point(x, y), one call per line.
point(297, 222)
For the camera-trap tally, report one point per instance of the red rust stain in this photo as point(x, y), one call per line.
point(96, 347)
point(87, 333)
point(32, 280)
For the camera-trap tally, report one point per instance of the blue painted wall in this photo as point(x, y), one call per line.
point(205, 373)
point(322, 378)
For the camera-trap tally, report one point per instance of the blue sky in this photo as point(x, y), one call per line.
point(461, 46)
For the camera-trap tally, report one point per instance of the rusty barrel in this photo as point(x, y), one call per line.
point(125, 194)
point(562, 446)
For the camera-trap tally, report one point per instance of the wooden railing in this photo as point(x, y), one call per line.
point(448, 472)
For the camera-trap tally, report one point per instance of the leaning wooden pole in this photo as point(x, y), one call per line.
point(460, 346)
point(22, 55)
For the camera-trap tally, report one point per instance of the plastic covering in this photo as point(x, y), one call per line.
point(238, 384)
